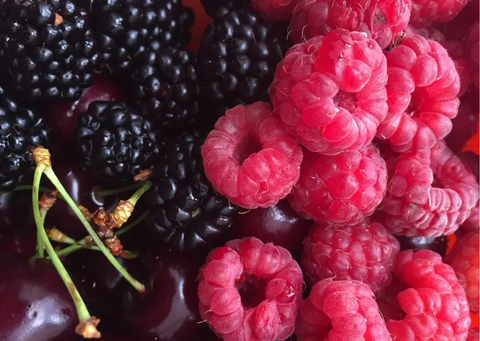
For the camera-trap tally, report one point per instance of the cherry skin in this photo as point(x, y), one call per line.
point(36, 305)
point(15, 211)
point(23, 243)
point(438, 245)
point(278, 224)
point(169, 309)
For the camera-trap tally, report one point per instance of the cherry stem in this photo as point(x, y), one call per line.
point(109, 192)
point(56, 182)
point(80, 306)
point(136, 196)
point(39, 219)
point(29, 188)
point(132, 225)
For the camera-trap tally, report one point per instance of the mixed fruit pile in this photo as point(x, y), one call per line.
point(295, 177)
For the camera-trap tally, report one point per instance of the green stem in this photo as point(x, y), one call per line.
point(80, 306)
point(130, 226)
point(108, 192)
point(136, 196)
point(53, 178)
point(39, 219)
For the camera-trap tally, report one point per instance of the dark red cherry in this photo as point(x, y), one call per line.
point(278, 224)
point(16, 211)
point(35, 305)
point(23, 243)
point(169, 309)
point(62, 116)
point(438, 245)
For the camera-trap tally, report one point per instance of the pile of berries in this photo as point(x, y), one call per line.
point(296, 171)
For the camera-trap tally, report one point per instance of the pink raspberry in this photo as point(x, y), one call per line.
point(422, 87)
point(474, 46)
point(274, 10)
point(434, 303)
point(362, 252)
point(250, 291)
point(331, 90)
point(414, 207)
point(340, 311)
point(473, 335)
point(382, 20)
point(427, 11)
point(342, 189)
point(472, 223)
point(464, 260)
point(250, 158)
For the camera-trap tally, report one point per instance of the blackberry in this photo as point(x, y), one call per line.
point(21, 126)
point(115, 143)
point(217, 8)
point(237, 59)
point(185, 211)
point(165, 83)
point(123, 28)
point(46, 48)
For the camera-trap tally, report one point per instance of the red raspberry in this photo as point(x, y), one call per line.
point(273, 10)
point(473, 335)
point(332, 91)
point(425, 11)
point(474, 46)
point(382, 20)
point(362, 252)
point(414, 207)
point(465, 125)
point(250, 291)
point(472, 222)
point(423, 85)
point(435, 304)
point(341, 189)
point(464, 260)
point(340, 311)
point(250, 158)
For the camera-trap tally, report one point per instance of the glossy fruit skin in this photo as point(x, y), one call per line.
point(169, 310)
point(15, 208)
point(22, 243)
point(36, 305)
point(438, 245)
point(278, 224)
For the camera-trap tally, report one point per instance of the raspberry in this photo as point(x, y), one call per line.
point(414, 206)
point(422, 87)
point(250, 291)
point(426, 11)
point(280, 10)
point(474, 46)
point(340, 189)
point(473, 335)
point(382, 20)
point(465, 125)
point(340, 310)
point(363, 252)
point(250, 158)
point(434, 303)
point(464, 260)
point(472, 222)
point(332, 91)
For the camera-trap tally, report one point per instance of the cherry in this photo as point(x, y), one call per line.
point(36, 306)
point(15, 211)
point(62, 116)
point(23, 243)
point(278, 224)
point(438, 245)
point(169, 310)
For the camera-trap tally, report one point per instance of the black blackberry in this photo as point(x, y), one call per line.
point(217, 8)
point(237, 60)
point(46, 48)
point(165, 83)
point(115, 142)
point(185, 211)
point(21, 127)
point(123, 28)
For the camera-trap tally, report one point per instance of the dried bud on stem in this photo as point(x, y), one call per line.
point(56, 235)
point(42, 155)
point(144, 175)
point(111, 240)
point(120, 214)
point(85, 212)
point(47, 200)
point(88, 328)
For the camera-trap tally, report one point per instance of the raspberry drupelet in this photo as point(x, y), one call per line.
point(429, 11)
point(434, 303)
point(415, 206)
point(331, 91)
point(364, 252)
point(250, 158)
point(250, 291)
point(382, 20)
point(275, 10)
point(422, 87)
point(473, 49)
point(339, 311)
point(341, 189)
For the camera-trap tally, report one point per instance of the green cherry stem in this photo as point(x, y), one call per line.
point(108, 192)
point(56, 182)
point(39, 219)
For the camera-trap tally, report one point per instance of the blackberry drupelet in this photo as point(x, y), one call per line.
point(20, 127)
point(46, 48)
point(185, 211)
point(237, 60)
point(115, 143)
point(217, 8)
point(165, 83)
point(123, 28)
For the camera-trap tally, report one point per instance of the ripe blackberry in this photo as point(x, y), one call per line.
point(217, 8)
point(185, 212)
point(115, 142)
point(165, 83)
point(123, 28)
point(20, 128)
point(46, 48)
point(237, 59)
